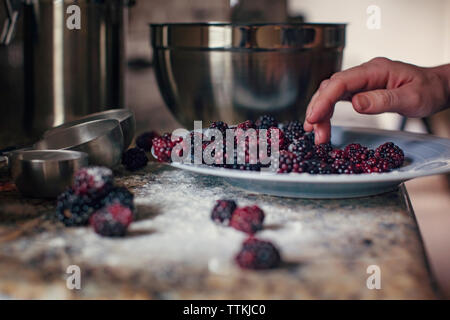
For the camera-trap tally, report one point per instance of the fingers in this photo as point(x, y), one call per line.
point(370, 76)
point(378, 101)
point(322, 132)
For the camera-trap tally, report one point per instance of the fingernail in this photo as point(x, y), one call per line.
point(363, 102)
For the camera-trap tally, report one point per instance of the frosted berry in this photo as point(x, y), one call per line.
point(112, 220)
point(258, 255)
point(248, 219)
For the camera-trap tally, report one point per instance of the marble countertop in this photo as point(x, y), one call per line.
point(174, 251)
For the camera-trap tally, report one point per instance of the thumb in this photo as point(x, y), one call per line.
point(378, 101)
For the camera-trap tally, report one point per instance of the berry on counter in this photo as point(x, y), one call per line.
point(258, 255)
point(144, 141)
point(247, 219)
point(134, 159)
point(112, 220)
point(222, 211)
point(93, 182)
point(75, 210)
point(119, 195)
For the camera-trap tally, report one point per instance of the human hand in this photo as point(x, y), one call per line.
point(378, 86)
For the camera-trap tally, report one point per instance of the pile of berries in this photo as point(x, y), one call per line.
point(298, 153)
point(255, 253)
point(94, 199)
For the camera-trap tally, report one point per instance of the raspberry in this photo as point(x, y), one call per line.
point(75, 210)
point(391, 153)
point(119, 195)
point(223, 211)
point(294, 130)
point(144, 141)
point(134, 159)
point(287, 162)
point(265, 122)
point(258, 254)
point(93, 182)
point(112, 220)
point(247, 219)
point(302, 148)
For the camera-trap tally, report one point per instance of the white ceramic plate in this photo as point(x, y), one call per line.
point(425, 155)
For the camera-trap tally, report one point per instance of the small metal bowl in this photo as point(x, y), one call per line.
point(45, 173)
point(102, 140)
point(124, 116)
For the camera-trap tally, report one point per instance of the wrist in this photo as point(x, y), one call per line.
point(443, 72)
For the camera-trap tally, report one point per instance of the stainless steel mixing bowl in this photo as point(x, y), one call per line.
point(45, 173)
point(124, 116)
point(233, 72)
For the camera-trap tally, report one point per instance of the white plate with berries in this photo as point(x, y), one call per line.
point(355, 171)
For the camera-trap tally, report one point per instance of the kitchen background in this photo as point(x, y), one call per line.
point(413, 31)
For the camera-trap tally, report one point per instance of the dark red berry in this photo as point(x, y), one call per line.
point(288, 162)
point(357, 153)
point(162, 147)
point(271, 134)
point(293, 130)
point(249, 124)
point(247, 219)
point(144, 141)
point(93, 182)
point(223, 210)
point(112, 220)
point(75, 210)
point(322, 151)
point(391, 153)
point(266, 122)
point(221, 126)
point(258, 255)
point(134, 159)
point(303, 148)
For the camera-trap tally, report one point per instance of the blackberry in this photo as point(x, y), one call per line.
point(302, 148)
point(281, 139)
point(119, 195)
point(247, 219)
point(223, 210)
point(265, 122)
point(287, 162)
point(248, 124)
point(162, 147)
point(322, 151)
point(244, 167)
point(221, 126)
point(357, 153)
point(93, 182)
point(342, 166)
point(392, 153)
point(112, 220)
point(293, 130)
point(75, 210)
point(336, 154)
point(258, 255)
point(144, 141)
point(376, 165)
point(317, 166)
point(134, 159)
